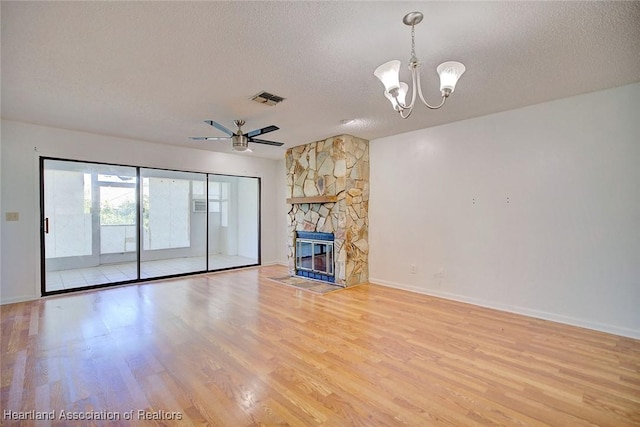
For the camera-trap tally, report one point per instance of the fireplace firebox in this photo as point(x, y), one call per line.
point(314, 255)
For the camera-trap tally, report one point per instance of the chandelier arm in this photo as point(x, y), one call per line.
point(414, 78)
point(409, 110)
point(399, 105)
point(415, 81)
point(444, 98)
point(409, 107)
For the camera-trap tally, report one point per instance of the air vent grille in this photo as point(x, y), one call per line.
point(268, 98)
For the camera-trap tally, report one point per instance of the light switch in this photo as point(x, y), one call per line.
point(12, 216)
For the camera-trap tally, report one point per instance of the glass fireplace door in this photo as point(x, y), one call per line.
point(314, 256)
point(323, 257)
point(304, 255)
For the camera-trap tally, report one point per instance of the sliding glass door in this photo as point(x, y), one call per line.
point(233, 221)
point(89, 224)
point(110, 224)
point(173, 226)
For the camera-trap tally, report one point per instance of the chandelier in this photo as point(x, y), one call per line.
point(396, 91)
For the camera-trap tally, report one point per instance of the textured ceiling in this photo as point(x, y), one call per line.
point(156, 70)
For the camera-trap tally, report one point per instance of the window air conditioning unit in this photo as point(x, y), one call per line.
point(199, 205)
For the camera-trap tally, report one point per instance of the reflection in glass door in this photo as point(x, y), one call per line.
point(89, 224)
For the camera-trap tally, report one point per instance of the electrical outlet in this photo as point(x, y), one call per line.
point(413, 269)
point(12, 216)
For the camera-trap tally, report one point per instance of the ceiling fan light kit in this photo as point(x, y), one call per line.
point(396, 91)
point(239, 140)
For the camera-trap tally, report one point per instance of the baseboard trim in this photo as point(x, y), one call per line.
point(14, 300)
point(273, 263)
point(538, 314)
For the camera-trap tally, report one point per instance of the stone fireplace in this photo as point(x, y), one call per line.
point(328, 190)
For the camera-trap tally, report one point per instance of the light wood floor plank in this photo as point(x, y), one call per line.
point(237, 349)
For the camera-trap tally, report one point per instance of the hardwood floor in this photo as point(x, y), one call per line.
point(237, 349)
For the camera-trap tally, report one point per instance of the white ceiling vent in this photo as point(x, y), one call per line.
point(267, 98)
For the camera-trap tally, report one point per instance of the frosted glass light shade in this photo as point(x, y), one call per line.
point(402, 95)
point(449, 73)
point(239, 143)
point(388, 73)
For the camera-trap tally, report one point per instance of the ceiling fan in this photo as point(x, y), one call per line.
point(239, 140)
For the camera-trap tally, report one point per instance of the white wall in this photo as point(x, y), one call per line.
point(20, 262)
point(282, 212)
point(535, 210)
point(2, 212)
point(247, 194)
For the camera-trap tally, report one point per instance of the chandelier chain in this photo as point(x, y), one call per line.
point(413, 44)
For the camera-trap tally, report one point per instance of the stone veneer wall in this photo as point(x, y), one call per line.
point(337, 166)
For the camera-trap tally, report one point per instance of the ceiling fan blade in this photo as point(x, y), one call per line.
point(262, 131)
point(264, 141)
point(219, 126)
point(209, 138)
